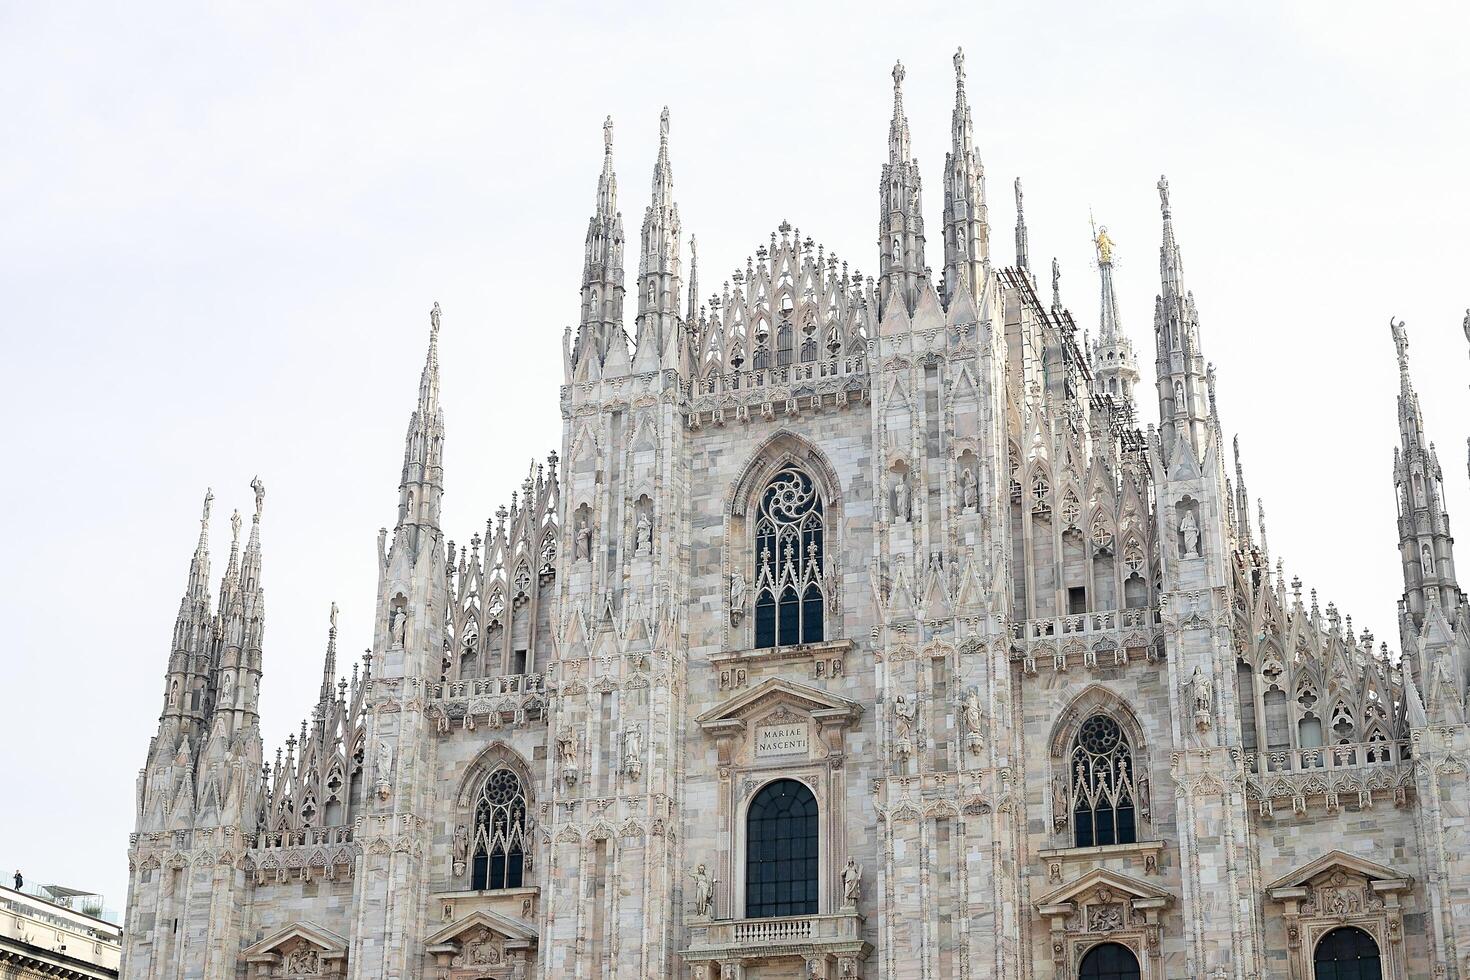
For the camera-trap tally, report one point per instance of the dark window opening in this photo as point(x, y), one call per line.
point(1076, 600)
point(1109, 961)
point(790, 580)
point(781, 851)
point(1103, 807)
point(500, 833)
point(1347, 953)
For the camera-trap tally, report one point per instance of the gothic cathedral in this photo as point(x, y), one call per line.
point(856, 629)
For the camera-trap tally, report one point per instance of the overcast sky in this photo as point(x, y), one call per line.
point(222, 228)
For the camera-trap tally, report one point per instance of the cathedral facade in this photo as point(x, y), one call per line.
point(856, 629)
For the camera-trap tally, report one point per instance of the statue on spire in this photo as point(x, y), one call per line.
point(235, 527)
point(663, 126)
point(1400, 343)
point(434, 315)
point(1104, 246)
point(1163, 186)
point(898, 77)
point(259, 489)
point(333, 617)
point(959, 65)
point(208, 499)
point(607, 135)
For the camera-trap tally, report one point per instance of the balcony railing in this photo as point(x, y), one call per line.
point(1084, 624)
point(775, 936)
point(491, 686)
point(781, 375)
point(1350, 756)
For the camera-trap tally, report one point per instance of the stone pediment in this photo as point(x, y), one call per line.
point(772, 692)
point(300, 950)
point(1097, 879)
point(1337, 862)
point(500, 925)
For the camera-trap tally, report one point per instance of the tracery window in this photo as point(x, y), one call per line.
point(781, 851)
point(500, 832)
point(1109, 961)
point(790, 590)
point(1103, 793)
point(1347, 953)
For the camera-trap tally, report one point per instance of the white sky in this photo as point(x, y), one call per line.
point(221, 231)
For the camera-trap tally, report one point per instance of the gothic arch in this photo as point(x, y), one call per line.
point(784, 448)
point(493, 757)
point(1095, 700)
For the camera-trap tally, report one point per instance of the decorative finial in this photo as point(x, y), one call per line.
point(1163, 186)
point(1056, 282)
point(259, 489)
point(607, 135)
point(959, 65)
point(333, 617)
point(1104, 246)
point(1018, 195)
point(434, 315)
point(208, 499)
point(663, 125)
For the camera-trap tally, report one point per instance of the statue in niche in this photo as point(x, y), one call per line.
point(644, 534)
point(633, 752)
point(226, 688)
point(968, 492)
point(385, 761)
point(904, 714)
point(901, 497)
point(173, 694)
point(973, 718)
point(704, 892)
point(1426, 560)
point(737, 596)
point(398, 627)
point(566, 746)
point(1202, 692)
point(461, 848)
point(1189, 534)
point(852, 882)
point(584, 539)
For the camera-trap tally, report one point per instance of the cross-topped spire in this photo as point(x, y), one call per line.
point(899, 144)
point(421, 486)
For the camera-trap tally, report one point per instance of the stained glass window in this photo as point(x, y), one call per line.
point(1102, 785)
point(790, 590)
point(500, 833)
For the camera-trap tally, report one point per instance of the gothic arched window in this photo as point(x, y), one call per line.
point(789, 582)
point(781, 851)
point(1103, 807)
point(1347, 953)
point(500, 832)
point(1109, 961)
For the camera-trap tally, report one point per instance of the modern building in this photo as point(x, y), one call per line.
point(855, 629)
point(46, 938)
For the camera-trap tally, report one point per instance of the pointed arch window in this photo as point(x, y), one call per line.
point(1103, 794)
point(500, 833)
point(790, 589)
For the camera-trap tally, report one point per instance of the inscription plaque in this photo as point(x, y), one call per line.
point(791, 739)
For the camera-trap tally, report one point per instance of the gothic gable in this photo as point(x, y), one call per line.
point(766, 695)
point(482, 940)
point(1338, 863)
point(1099, 879)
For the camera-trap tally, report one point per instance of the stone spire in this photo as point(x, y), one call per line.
point(1425, 545)
point(189, 660)
point(658, 272)
point(602, 264)
point(966, 217)
point(1113, 362)
point(1179, 365)
point(692, 313)
point(329, 666)
point(1023, 260)
point(1242, 500)
point(902, 271)
point(421, 489)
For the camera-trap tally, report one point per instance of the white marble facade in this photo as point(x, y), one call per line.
point(856, 629)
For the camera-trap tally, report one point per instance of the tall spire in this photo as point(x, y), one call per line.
point(1425, 545)
point(602, 264)
point(329, 665)
point(966, 217)
point(421, 489)
point(900, 214)
point(1113, 362)
point(1023, 260)
point(192, 643)
point(1242, 500)
point(1183, 387)
point(658, 273)
point(693, 311)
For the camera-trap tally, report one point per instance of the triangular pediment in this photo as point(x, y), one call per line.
point(327, 943)
point(461, 929)
point(773, 691)
point(1337, 861)
point(1124, 885)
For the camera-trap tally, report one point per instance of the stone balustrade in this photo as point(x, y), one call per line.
point(838, 934)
